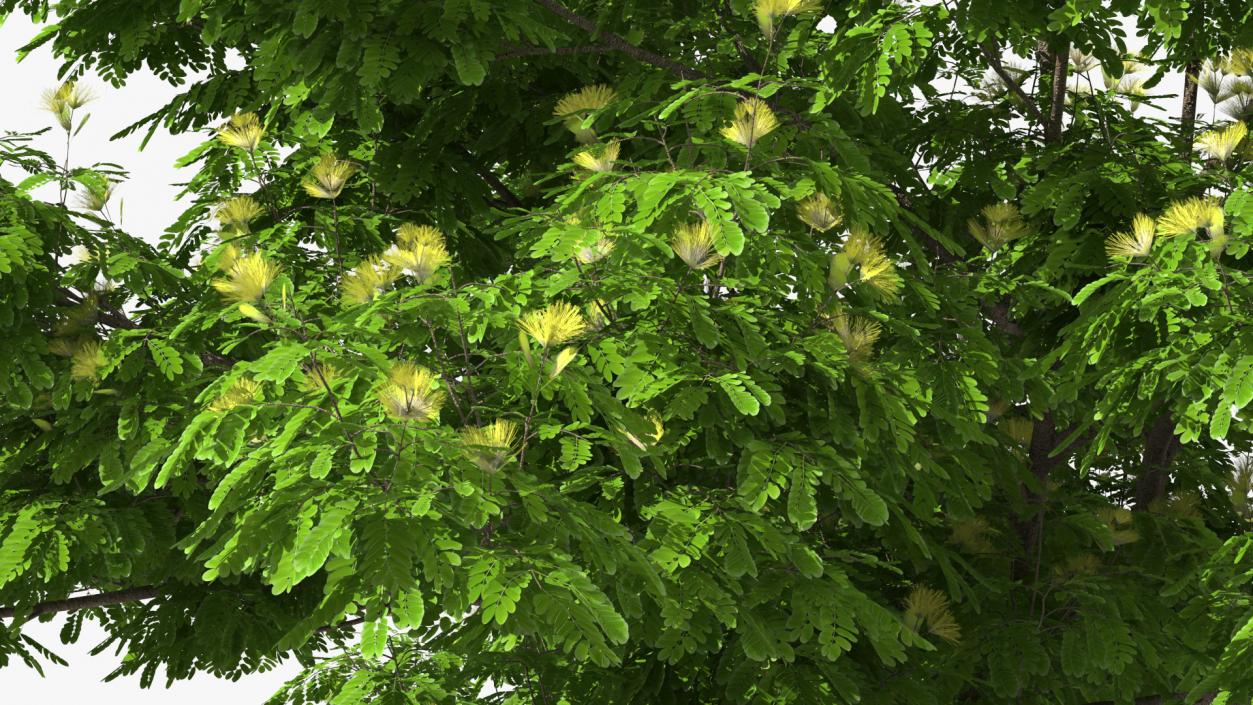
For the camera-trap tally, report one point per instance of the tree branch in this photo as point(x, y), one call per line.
point(85, 602)
point(993, 57)
point(1160, 446)
point(1057, 94)
point(619, 44)
point(507, 197)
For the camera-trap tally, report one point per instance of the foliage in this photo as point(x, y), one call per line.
point(624, 352)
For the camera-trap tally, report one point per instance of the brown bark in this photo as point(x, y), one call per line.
point(1160, 446)
point(1187, 114)
point(1058, 62)
point(618, 43)
point(1043, 459)
point(85, 602)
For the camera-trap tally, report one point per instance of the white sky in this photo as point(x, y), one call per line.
point(149, 206)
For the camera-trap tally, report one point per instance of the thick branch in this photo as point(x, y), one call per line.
point(85, 602)
point(1187, 113)
point(1057, 95)
point(507, 197)
point(618, 43)
point(993, 57)
point(1160, 446)
point(514, 51)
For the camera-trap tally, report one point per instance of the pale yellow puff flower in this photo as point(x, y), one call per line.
point(1081, 62)
point(1222, 143)
point(86, 361)
point(1137, 243)
point(860, 243)
point(243, 130)
point(419, 261)
point(575, 107)
point(410, 393)
point(328, 177)
point(236, 213)
point(63, 100)
point(602, 163)
point(248, 278)
point(1211, 79)
point(972, 534)
point(228, 254)
point(1001, 224)
point(769, 12)
point(368, 280)
point(490, 447)
point(1188, 216)
point(927, 607)
point(694, 244)
point(1240, 62)
point(318, 377)
point(859, 335)
point(95, 197)
point(554, 324)
point(410, 235)
point(241, 392)
point(878, 271)
point(819, 213)
point(595, 314)
point(595, 252)
point(753, 120)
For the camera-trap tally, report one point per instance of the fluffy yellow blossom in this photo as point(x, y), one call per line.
point(553, 325)
point(248, 278)
point(410, 393)
point(490, 447)
point(327, 178)
point(694, 244)
point(243, 130)
point(753, 120)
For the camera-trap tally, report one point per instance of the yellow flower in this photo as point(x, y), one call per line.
point(864, 252)
point(419, 261)
point(553, 325)
point(95, 196)
point(410, 235)
point(367, 280)
point(929, 607)
point(243, 391)
point(328, 177)
point(318, 377)
point(858, 334)
point(1137, 243)
point(410, 393)
point(235, 214)
point(574, 108)
point(1221, 144)
point(972, 535)
point(602, 163)
point(1001, 224)
point(694, 244)
point(87, 361)
point(753, 120)
point(1190, 215)
point(771, 11)
point(819, 213)
point(879, 273)
point(243, 131)
point(595, 313)
point(63, 100)
point(594, 252)
point(490, 447)
point(248, 278)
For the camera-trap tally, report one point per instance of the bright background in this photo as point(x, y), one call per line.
point(149, 205)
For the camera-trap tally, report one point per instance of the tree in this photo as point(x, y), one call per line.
point(567, 351)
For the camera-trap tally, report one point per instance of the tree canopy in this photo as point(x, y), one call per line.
point(560, 351)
